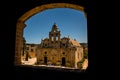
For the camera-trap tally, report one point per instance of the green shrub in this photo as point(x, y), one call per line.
point(86, 55)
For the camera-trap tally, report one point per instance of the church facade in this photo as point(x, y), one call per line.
point(59, 51)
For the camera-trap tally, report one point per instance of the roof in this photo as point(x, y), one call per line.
point(75, 43)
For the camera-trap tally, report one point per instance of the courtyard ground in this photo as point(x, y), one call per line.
point(32, 61)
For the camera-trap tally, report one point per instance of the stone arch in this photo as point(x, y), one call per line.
point(21, 24)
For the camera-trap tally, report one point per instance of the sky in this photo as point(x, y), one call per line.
point(70, 22)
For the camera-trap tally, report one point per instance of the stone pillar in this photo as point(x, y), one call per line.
point(19, 42)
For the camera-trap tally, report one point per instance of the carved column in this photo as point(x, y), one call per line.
point(19, 42)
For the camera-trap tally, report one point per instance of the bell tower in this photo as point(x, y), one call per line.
point(54, 34)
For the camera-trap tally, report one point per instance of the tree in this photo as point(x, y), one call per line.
point(86, 55)
point(80, 63)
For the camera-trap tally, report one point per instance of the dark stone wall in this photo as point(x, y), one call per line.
point(11, 11)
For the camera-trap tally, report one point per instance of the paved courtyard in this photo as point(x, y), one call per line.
point(32, 61)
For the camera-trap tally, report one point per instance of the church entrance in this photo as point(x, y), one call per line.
point(45, 60)
point(63, 61)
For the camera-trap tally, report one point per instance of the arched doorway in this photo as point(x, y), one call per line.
point(45, 60)
point(63, 61)
point(21, 24)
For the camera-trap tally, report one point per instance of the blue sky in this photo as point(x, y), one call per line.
point(70, 22)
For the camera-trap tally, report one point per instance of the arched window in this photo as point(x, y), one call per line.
point(52, 38)
point(56, 38)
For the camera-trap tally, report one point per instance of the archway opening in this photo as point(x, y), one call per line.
point(21, 25)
